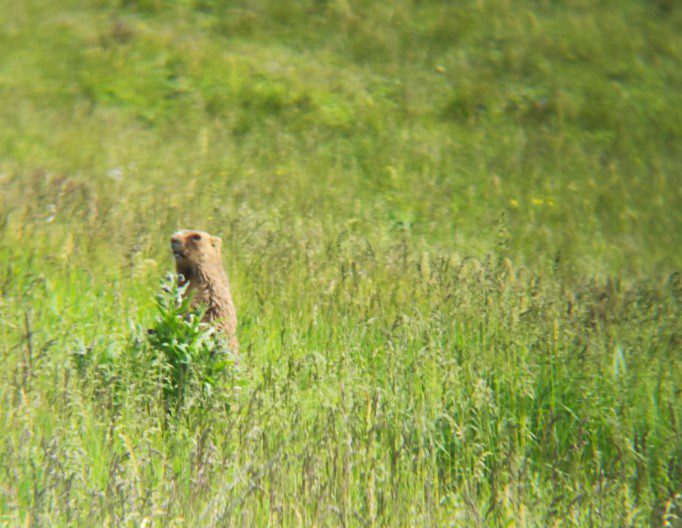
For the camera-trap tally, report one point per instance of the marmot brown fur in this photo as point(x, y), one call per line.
point(198, 262)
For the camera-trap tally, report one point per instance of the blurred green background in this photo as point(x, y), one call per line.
point(437, 116)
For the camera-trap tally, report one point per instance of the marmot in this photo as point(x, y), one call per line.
point(198, 261)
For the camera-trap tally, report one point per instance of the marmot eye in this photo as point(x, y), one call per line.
point(196, 237)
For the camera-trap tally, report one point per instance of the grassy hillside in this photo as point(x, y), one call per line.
point(453, 233)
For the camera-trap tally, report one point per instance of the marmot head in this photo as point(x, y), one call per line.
point(194, 249)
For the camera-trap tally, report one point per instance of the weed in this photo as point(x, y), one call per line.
point(195, 362)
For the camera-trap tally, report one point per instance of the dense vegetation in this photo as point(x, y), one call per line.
point(453, 233)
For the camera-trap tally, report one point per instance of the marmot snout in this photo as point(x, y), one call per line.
point(198, 262)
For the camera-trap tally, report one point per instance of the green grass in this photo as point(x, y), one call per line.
point(453, 233)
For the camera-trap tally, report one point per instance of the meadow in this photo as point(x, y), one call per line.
point(453, 233)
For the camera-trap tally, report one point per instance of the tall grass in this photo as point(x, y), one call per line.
point(452, 231)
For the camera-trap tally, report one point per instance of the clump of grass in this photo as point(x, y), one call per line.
point(196, 367)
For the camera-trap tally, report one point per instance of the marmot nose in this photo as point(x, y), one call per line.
point(175, 244)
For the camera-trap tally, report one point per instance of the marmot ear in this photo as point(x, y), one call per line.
point(216, 242)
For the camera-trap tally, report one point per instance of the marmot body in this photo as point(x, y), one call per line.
point(199, 263)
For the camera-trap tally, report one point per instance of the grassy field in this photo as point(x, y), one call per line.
point(453, 232)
